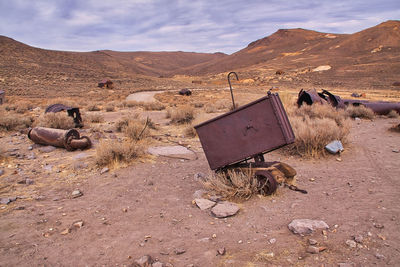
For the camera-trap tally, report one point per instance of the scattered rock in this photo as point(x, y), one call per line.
point(157, 264)
point(312, 242)
point(322, 68)
point(104, 170)
point(344, 264)
point(379, 256)
point(1, 172)
point(200, 176)
point(199, 193)
point(358, 239)
point(66, 231)
point(306, 226)
point(31, 156)
point(204, 204)
point(179, 251)
point(224, 209)
point(221, 251)
point(312, 250)
point(76, 193)
point(144, 261)
point(7, 200)
point(378, 225)
point(80, 165)
point(47, 149)
point(81, 156)
point(272, 241)
point(78, 224)
point(396, 151)
point(351, 243)
point(334, 147)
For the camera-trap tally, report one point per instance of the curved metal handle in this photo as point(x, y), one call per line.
point(230, 86)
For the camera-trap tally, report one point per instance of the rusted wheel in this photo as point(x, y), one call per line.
point(266, 182)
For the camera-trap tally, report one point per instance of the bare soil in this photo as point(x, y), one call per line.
point(146, 208)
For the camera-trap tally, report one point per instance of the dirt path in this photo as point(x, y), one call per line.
point(146, 96)
point(147, 209)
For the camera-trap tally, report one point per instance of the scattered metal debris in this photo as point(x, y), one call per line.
point(68, 139)
point(72, 112)
point(230, 140)
point(311, 96)
point(185, 92)
point(2, 97)
point(105, 83)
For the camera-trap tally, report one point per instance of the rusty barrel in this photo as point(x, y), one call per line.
point(68, 139)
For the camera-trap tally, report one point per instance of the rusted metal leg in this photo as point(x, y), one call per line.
point(230, 86)
point(259, 158)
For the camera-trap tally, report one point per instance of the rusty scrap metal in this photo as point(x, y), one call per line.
point(311, 96)
point(185, 92)
point(230, 86)
point(68, 139)
point(72, 112)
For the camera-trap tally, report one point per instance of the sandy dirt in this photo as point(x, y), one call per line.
point(146, 97)
point(147, 208)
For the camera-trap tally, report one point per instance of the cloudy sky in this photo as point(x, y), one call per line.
point(178, 25)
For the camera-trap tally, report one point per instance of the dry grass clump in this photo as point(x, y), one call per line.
point(23, 106)
point(393, 114)
point(219, 106)
point(134, 129)
point(181, 115)
point(145, 105)
point(110, 107)
point(12, 121)
point(232, 184)
point(111, 152)
point(59, 120)
point(360, 112)
point(190, 131)
point(92, 107)
point(316, 126)
point(94, 118)
point(395, 128)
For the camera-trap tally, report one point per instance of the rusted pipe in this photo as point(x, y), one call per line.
point(230, 86)
point(68, 139)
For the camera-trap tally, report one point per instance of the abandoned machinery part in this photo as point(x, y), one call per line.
point(312, 96)
point(72, 112)
point(68, 139)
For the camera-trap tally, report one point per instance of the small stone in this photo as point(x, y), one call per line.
point(78, 224)
point(214, 236)
point(312, 242)
point(379, 256)
point(312, 179)
point(306, 226)
point(396, 151)
point(200, 176)
point(66, 231)
point(204, 204)
point(334, 147)
point(344, 264)
point(157, 264)
point(199, 193)
point(221, 251)
point(240, 241)
point(76, 193)
point(78, 165)
point(29, 181)
point(312, 250)
point(369, 234)
point(270, 255)
point(224, 209)
point(30, 147)
point(179, 251)
point(272, 241)
point(351, 243)
point(104, 170)
point(47, 149)
point(7, 200)
point(358, 239)
point(381, 237)
point(1, 172)
point(144, 261)
point(379, 226)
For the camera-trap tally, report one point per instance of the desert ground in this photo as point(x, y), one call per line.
point(122, 199)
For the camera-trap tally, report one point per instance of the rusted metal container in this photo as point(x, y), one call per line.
point(68, 139)
point(258, 127)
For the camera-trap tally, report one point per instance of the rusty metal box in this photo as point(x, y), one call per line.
point(258, 127)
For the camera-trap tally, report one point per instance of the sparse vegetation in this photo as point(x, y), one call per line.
point(395, 128)
point(111, 152)
point(93, 107)
point(232, 184)
point(94, 118)
point(315, 126)
point(190, 131)
point(145, 105)
point(360, 112)
point(393, 114)
point(181, 115)
point(110, 107)
point(134, 129)
point(59, 120)
point(12, 121)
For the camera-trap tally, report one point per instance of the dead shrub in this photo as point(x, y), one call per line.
point(153, 106)
point(111, 152)
point(190, 131)
point(11, 121)
point(59, 120)
point(393, 114)
point(110, 107)
point(395, 128)
point(219, 106)
point(92, 107)
point(314, 127)
point(134, 129)
point(94, 118)
point(23, 106)
point(232, 184)
point(360, 112)
point(181, 115)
